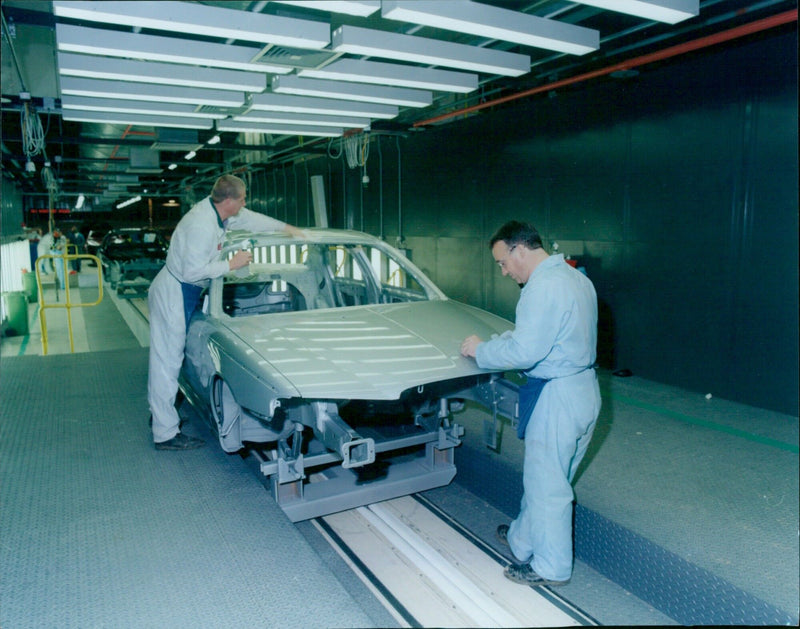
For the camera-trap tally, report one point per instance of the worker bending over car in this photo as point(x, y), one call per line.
point(193, 259)
point(554, 344)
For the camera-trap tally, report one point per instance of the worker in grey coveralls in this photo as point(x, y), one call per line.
point(193, 259)
point(554, 343)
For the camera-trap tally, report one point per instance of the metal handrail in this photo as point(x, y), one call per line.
point(64, 258)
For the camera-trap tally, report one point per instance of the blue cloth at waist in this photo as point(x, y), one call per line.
point(191, 295)
point(528, 396)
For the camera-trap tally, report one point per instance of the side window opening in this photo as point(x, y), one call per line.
point(249, 298)
point(291, 277)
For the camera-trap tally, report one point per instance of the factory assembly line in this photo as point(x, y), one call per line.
point(334, 363)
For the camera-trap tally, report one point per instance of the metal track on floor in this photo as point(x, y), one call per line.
point(429, 571)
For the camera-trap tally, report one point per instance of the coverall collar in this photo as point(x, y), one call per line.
point(216, 212)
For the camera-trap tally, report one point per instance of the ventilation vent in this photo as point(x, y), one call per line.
point(296, 57)
point(143, 161)
point(174, 140)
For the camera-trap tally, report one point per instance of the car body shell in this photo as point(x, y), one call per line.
point(338, 325)
point(132, 256)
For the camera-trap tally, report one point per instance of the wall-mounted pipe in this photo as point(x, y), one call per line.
point(399, 194)
point(380, 190)
point(673, 51)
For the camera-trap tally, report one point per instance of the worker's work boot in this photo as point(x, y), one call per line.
point(523, 573)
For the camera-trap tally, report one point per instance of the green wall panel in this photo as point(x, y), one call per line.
point(677, 191)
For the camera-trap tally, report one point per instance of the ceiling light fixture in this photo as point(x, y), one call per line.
point(86, 103)
point(254, 127)
point(373, 43)
point(361, 92)
point(137, 119)
point(92, 67)
point(495, 23)
point(380, 73)
point(126, 90)
point(131, 201)
point(200, 19)
point(172, 166)
point(190, 155)
point(79, 203)
point(303, 119)
point(214, 140)
point(669, 11)
point(362, 8)
point(98, 41)
point(325, 106)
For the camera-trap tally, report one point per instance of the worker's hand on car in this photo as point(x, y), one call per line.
point(469, 345)
point(240, 258)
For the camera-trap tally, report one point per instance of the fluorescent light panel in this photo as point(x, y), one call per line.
point(364, 41)
point(255, 127)
point(379, 73)
point(351, 91)
point(98, 41)
point(138, 119)
point(161, 73)
point(362, 8)
point(303, 119)
point(325, 106)
point(495, 23)
point(669, 11)
point(99, 88)
point(200, 19)
point(130, 201)
point(85, 103)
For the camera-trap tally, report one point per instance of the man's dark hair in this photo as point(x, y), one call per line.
point(517, 233)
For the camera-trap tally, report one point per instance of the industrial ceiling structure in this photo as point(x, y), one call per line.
point(103, 101)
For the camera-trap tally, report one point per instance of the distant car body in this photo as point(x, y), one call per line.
point(94, 238)
point(337, 340)
point(131, 258)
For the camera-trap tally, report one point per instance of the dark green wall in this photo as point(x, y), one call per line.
point(677, 190)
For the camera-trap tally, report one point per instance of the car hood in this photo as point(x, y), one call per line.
point(367, 352)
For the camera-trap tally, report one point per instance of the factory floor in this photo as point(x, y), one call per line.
point(687, 504)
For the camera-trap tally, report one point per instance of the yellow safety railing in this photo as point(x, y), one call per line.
point(43, 306)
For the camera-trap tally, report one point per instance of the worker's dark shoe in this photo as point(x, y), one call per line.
point(502, 534)
point(524, 574)
point(180, 442)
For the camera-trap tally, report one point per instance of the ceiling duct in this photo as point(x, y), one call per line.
point(144, 160)
point(296, 57)
point(183, 140)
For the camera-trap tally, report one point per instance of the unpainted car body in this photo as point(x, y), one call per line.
point(339, 338)
point(132, 257)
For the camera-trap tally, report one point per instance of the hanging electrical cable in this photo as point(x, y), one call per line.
point(32, 131)
point(357, 149)
point(331, 154)
point(49, 179)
